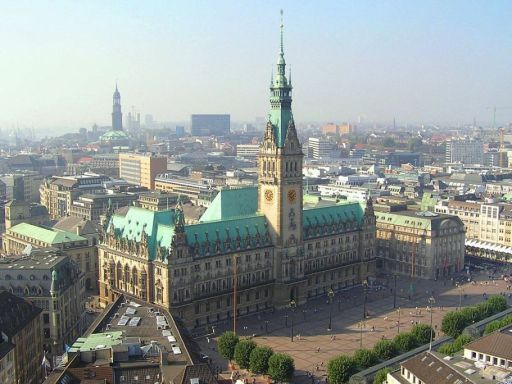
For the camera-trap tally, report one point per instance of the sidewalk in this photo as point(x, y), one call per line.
point(314, 345)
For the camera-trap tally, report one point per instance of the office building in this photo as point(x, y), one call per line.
point(210, 125)
point(141, 168)
point(421, 245)
point(91, 206)
point(17, 212)
point(263, 237)
point(466, 151)
point(247, 150)
point(21, 342)
point(320, 148)
point(22, 186)
point(55, 284)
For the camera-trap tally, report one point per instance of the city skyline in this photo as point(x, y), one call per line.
point(418, 62)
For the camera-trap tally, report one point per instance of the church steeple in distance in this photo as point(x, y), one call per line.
point(117, 115)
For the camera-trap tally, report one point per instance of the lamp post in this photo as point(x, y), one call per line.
point(398, 322)
point(431, 302)
point(394, 293)
point(361, 323)
point(459, 288)
point(292, 305)
point(365, 289)
point(330, 294)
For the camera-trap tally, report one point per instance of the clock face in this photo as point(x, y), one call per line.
point(292, 195)
point(269, 195)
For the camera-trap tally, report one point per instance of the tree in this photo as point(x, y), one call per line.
point(421, 333)
point(381, 375)
point(384, 349)
point(258, 362)
point(453, 324)
point(404, 342)
point(281, 367)
point(414, 144)
point(498, 303)
point(242, 353)
point(227, 343)
point(364, 358)
point(340, 369)
point(461, 341)
point(447, 349)
point(388, 142)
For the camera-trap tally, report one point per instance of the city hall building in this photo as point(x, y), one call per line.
point(260, 241)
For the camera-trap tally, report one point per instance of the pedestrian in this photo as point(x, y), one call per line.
point(318, 349)
point(208, 340)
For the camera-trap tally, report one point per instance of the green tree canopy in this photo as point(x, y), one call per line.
point(381, 375)
point(258, 362)
point(364, 358)
point(281, 367)
point(227, 343)
point(404, 342)
point(243, 353)
point(421, 333)
point(385, 349)
point(453, 323)
point(340, 369)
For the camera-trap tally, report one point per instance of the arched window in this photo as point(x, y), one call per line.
point(20, 277)
point(135, 276)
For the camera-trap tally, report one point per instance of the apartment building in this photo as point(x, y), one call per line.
point(21, 341)
point(55, 284)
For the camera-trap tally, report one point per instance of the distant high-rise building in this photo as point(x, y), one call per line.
point(319, 148)
point(205, 125)
point(180, 130)
point(466, 151)
point(117, 115)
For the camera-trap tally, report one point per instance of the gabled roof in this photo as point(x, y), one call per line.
point(230, 203)
point(48, 236)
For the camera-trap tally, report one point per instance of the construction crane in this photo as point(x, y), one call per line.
point(501, 132)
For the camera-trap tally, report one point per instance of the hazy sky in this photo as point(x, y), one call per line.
point(421, 61)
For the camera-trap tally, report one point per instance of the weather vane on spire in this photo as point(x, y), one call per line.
point(282, 27)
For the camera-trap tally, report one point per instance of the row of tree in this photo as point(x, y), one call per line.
point(259, 360)
point(454, 322)
point(497, 324)
point(342, 367)
point(455, 346)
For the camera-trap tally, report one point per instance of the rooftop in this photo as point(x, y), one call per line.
point(16, 313)
point(45, 235)
point(497, 344)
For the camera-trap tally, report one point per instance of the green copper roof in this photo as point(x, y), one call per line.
point(231, 203)
point(346, 211)
point(114, 135)
point(158, 226)
point(48, 236)
point(280, 99)
point(95, 340)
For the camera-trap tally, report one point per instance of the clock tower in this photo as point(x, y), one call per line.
point(280, 176)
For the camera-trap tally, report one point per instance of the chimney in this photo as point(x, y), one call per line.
point(78, 229)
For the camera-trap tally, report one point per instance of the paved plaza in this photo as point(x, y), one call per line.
point(314, 345)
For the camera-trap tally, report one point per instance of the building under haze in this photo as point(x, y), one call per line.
point(210, 125)
point(263, 237)
point(466, 151)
